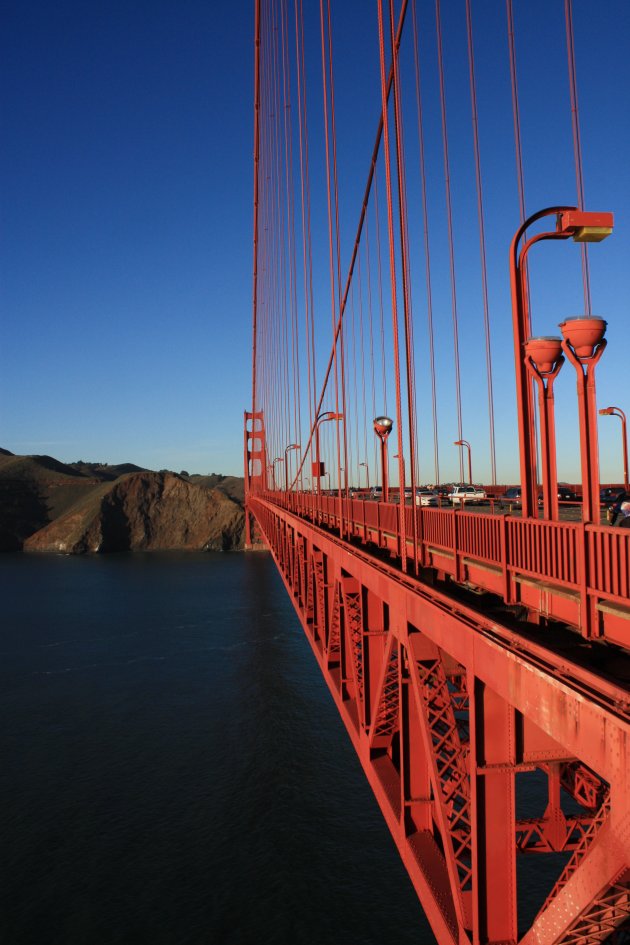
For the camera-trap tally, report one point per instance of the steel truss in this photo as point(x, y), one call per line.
point(447, 710)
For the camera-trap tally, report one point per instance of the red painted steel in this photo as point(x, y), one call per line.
point(618, 412)
point(466, 652)
point(450, 710)
point(566, 571)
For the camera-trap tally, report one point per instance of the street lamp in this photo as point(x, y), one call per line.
point(467, 445)
point(317, 466)
point(618, 412)
point(583, 344)
point(291, 446)
point(278, 459)
point(543, 360)
point(367, 474)
point(571, 223)
point(382, 428)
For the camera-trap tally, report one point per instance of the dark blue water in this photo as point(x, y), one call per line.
point(173, 768)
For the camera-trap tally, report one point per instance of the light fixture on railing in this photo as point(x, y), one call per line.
point(382, 428)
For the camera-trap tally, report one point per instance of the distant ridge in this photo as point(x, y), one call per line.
point(74, 508)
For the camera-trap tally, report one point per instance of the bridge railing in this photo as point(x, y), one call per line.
point(549, 549)
point(570, 571)
point(608, 558)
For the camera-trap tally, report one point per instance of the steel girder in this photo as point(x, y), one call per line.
point(446, 710)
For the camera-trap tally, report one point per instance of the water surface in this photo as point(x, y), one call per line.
point(174, 770)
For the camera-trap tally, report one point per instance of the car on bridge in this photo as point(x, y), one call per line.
point(467, 495)
point(426, 497)
point(511, 496)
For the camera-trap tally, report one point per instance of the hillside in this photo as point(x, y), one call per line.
point(46, 505)
point(35, 490)
point(145, 512)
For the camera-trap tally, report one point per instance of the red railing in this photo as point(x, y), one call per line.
point(608, 559)
point(591, 563)
point(545, 549)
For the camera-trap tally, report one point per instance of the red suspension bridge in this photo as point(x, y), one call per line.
point(467, 651)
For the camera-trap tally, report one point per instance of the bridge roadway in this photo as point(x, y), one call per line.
point(505, 654)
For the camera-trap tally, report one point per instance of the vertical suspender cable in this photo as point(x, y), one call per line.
point(288, 150)
point(449, 217)
point(482, 240)
point(307, 250)
point(338, 247)
point(427, 256)
point(577, 147)
point(372, 369)
point(256, 197)
point(402, 531)
point(404, 258)
point(362, 217)
point(380, 290)
point(333, 249)
point(515, 111)
point(521, 186)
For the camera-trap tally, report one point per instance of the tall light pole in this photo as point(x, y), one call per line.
point(583, 344)
point(543, 360)
point(278, 459)
point(465, 443)
point(291, 446)
point(382, 428)
point(317, 470)
point(583, 227)
point(367, 474)
point(618, 412)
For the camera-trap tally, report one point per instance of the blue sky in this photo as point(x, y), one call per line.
point(126, 189)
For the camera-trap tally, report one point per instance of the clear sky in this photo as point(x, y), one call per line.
point(126, 186)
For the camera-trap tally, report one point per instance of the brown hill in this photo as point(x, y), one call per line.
point(33, 491)
point(145, 512)
point(104, 472)
point(233, 486)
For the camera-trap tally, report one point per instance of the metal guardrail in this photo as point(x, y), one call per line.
point(592, 561)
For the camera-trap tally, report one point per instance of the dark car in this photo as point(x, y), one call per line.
point(608, 496)
point(567, 495)
point(617, 515)
point(510, 496)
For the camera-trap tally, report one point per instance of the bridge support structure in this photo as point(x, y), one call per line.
point(450, 712)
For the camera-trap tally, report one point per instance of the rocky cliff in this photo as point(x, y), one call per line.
point(145, 512)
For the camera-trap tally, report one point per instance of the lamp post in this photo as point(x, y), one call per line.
point(583, 227)
point(291, 446)
point(467, 445)
point(382, 428)
point(618, 412)
point(367, 475)
point(317, 465)
point(584, 343)
point(543, 360)
point(278, 459)
point(401, 487)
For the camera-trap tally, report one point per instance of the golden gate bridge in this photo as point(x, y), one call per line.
point(468, 649)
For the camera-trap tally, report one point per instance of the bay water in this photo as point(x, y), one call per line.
point(174, 771)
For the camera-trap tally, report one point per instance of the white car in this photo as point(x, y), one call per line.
point(426, 497)
point(467, 495)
